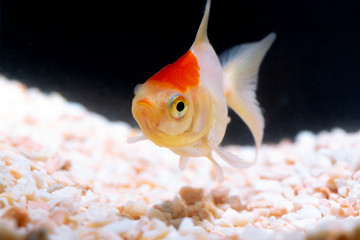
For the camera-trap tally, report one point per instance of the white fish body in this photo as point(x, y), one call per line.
point(200, 130)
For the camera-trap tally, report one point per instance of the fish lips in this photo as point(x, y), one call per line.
point(145, 113)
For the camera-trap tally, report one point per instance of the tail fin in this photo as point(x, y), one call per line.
point(241, 66)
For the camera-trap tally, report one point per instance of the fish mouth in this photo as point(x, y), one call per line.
point(145, 102)
point(145, 114)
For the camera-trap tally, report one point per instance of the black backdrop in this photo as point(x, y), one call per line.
point(95, 53)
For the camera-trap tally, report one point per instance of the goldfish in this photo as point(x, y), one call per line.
point(184, 106)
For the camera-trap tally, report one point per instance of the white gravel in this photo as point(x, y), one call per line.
point(66, 173)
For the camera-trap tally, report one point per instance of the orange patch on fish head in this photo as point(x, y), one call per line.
point(180, 75)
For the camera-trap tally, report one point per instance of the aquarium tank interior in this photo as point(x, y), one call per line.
point(68, 73)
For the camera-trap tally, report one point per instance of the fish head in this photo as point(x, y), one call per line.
point(168, 117)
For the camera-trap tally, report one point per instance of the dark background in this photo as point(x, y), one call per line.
point(96, 53)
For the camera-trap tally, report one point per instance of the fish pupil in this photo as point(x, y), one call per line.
point(180, 106)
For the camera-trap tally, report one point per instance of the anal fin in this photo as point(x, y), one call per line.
point(219, 173)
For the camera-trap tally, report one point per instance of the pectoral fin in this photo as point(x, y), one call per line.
point(136, 139)
point(230, 158)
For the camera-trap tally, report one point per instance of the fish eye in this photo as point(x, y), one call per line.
point(178, 106)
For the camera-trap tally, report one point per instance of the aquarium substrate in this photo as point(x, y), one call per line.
point(67, 173)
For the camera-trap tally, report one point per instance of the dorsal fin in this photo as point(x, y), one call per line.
point(201, 35)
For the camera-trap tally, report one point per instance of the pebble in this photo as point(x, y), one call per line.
point(191, 195)
point(136, 209)
point(186, 226)
point(304, 199)
point(68, 193)
point(121, 226)
point(267, 185)
point(309, 211)
point(239, 219)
